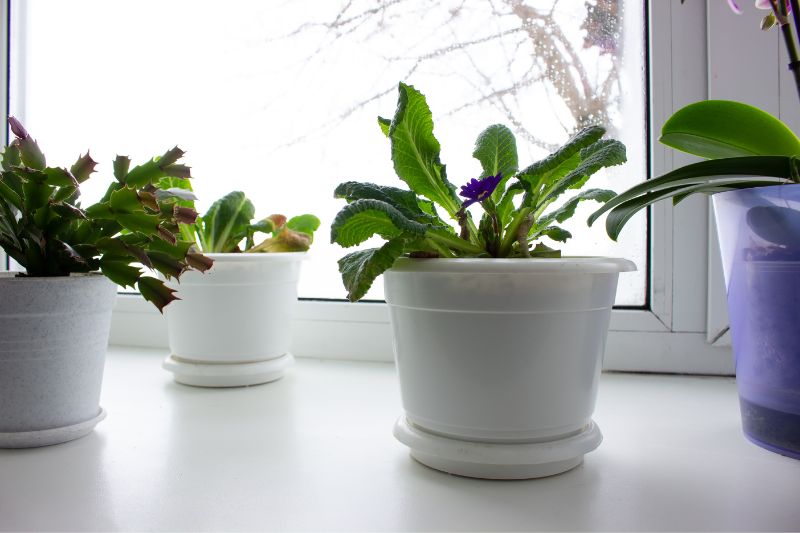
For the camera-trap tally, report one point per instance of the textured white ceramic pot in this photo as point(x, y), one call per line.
point(233, 324)
point(498, 360)
point(53, 339)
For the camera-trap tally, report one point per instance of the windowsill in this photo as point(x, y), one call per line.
point(314, 451)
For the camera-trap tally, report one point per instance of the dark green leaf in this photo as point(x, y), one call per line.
point(403, 200)
point(362, 219)
point(118, 270)
point(125, 200)
point(568, 209)
point(555, 233)
point(359, 269)
point(563, 160)
point(121, 165)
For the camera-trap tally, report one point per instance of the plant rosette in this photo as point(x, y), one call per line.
point(498, 340)
point(752, 169)
point(54, 325)
point(233, 324)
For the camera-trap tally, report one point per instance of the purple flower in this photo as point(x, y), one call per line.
point(760, 4)
point(478, 190)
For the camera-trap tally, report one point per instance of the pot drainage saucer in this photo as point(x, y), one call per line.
point(227, 374)
point(497, 460)
point(47, 437)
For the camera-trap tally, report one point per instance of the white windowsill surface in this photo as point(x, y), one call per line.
point(314, 451)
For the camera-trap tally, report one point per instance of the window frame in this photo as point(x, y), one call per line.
point(670, 336)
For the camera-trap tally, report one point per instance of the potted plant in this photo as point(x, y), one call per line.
point(55, 316)
point(233, 325)
point(752, 171)
point(498, 340)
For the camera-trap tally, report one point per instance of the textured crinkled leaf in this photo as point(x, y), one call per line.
point(404, 200)
point(563, 160)
point(359, 269)
point(720, 128)
point(415, 150)
point(556, 233)
point(362, 219)
point(568, 209)
point(602, 154)
point(496, 149)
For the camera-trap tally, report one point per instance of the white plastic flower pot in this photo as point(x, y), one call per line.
point(233, 324)
point(499, 359)
point(53, 339)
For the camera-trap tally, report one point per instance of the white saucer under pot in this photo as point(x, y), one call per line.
point(232, 326)
point(499, 359)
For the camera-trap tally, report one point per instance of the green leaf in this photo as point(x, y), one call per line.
point(8, 194)
point(563, 160)
point(415, 151)
point(362, 219)
point(567, 210)
point(59, 177)
point(226, 222)
point(496, 149)
point(555, 233)
point(719, 128)
point(359, 269)
point(384, 124)
point(176, 251)
point(118, 270)
point(167, 265)
point(602, 154)
point(35, 195)
point(125, 200)
point(403, 200)
point(714, 172)
point(307, 224)
point(155, 291)
point(83, 168)
point(141, 222)
point(121, 165)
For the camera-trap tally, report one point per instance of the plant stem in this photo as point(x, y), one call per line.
point(511, 233)
point(454, 242)
point(443, 251)
point(779, 9)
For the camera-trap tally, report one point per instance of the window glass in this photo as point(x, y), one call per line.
point(280, 99)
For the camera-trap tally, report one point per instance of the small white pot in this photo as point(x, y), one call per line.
point(498, 360)
point(53, 339)
point(233, 324)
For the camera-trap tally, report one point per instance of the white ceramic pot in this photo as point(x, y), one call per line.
point(233, 324)
point(53, 339)
point(498, 360)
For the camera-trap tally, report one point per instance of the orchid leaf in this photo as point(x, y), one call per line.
point(359, 269)
point(719, 128)
point(415, 151)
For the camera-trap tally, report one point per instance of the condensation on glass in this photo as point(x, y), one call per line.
point(280, 99)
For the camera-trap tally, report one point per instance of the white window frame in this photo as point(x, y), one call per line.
point(678, 331)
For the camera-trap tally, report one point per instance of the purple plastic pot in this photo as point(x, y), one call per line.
point(759, 233)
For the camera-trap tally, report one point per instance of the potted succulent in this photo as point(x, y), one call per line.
point(232, 326)
point(55, 316)
point(498, 340)
point(752, 171)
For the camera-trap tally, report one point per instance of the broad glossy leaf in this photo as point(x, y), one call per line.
point(359, 269)
point(362, 219)
point(719, 128)
point(708, 172)
point(415, 150)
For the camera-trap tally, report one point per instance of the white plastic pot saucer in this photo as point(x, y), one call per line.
point(227, 374)
point(48, 437)
point(497, 460)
